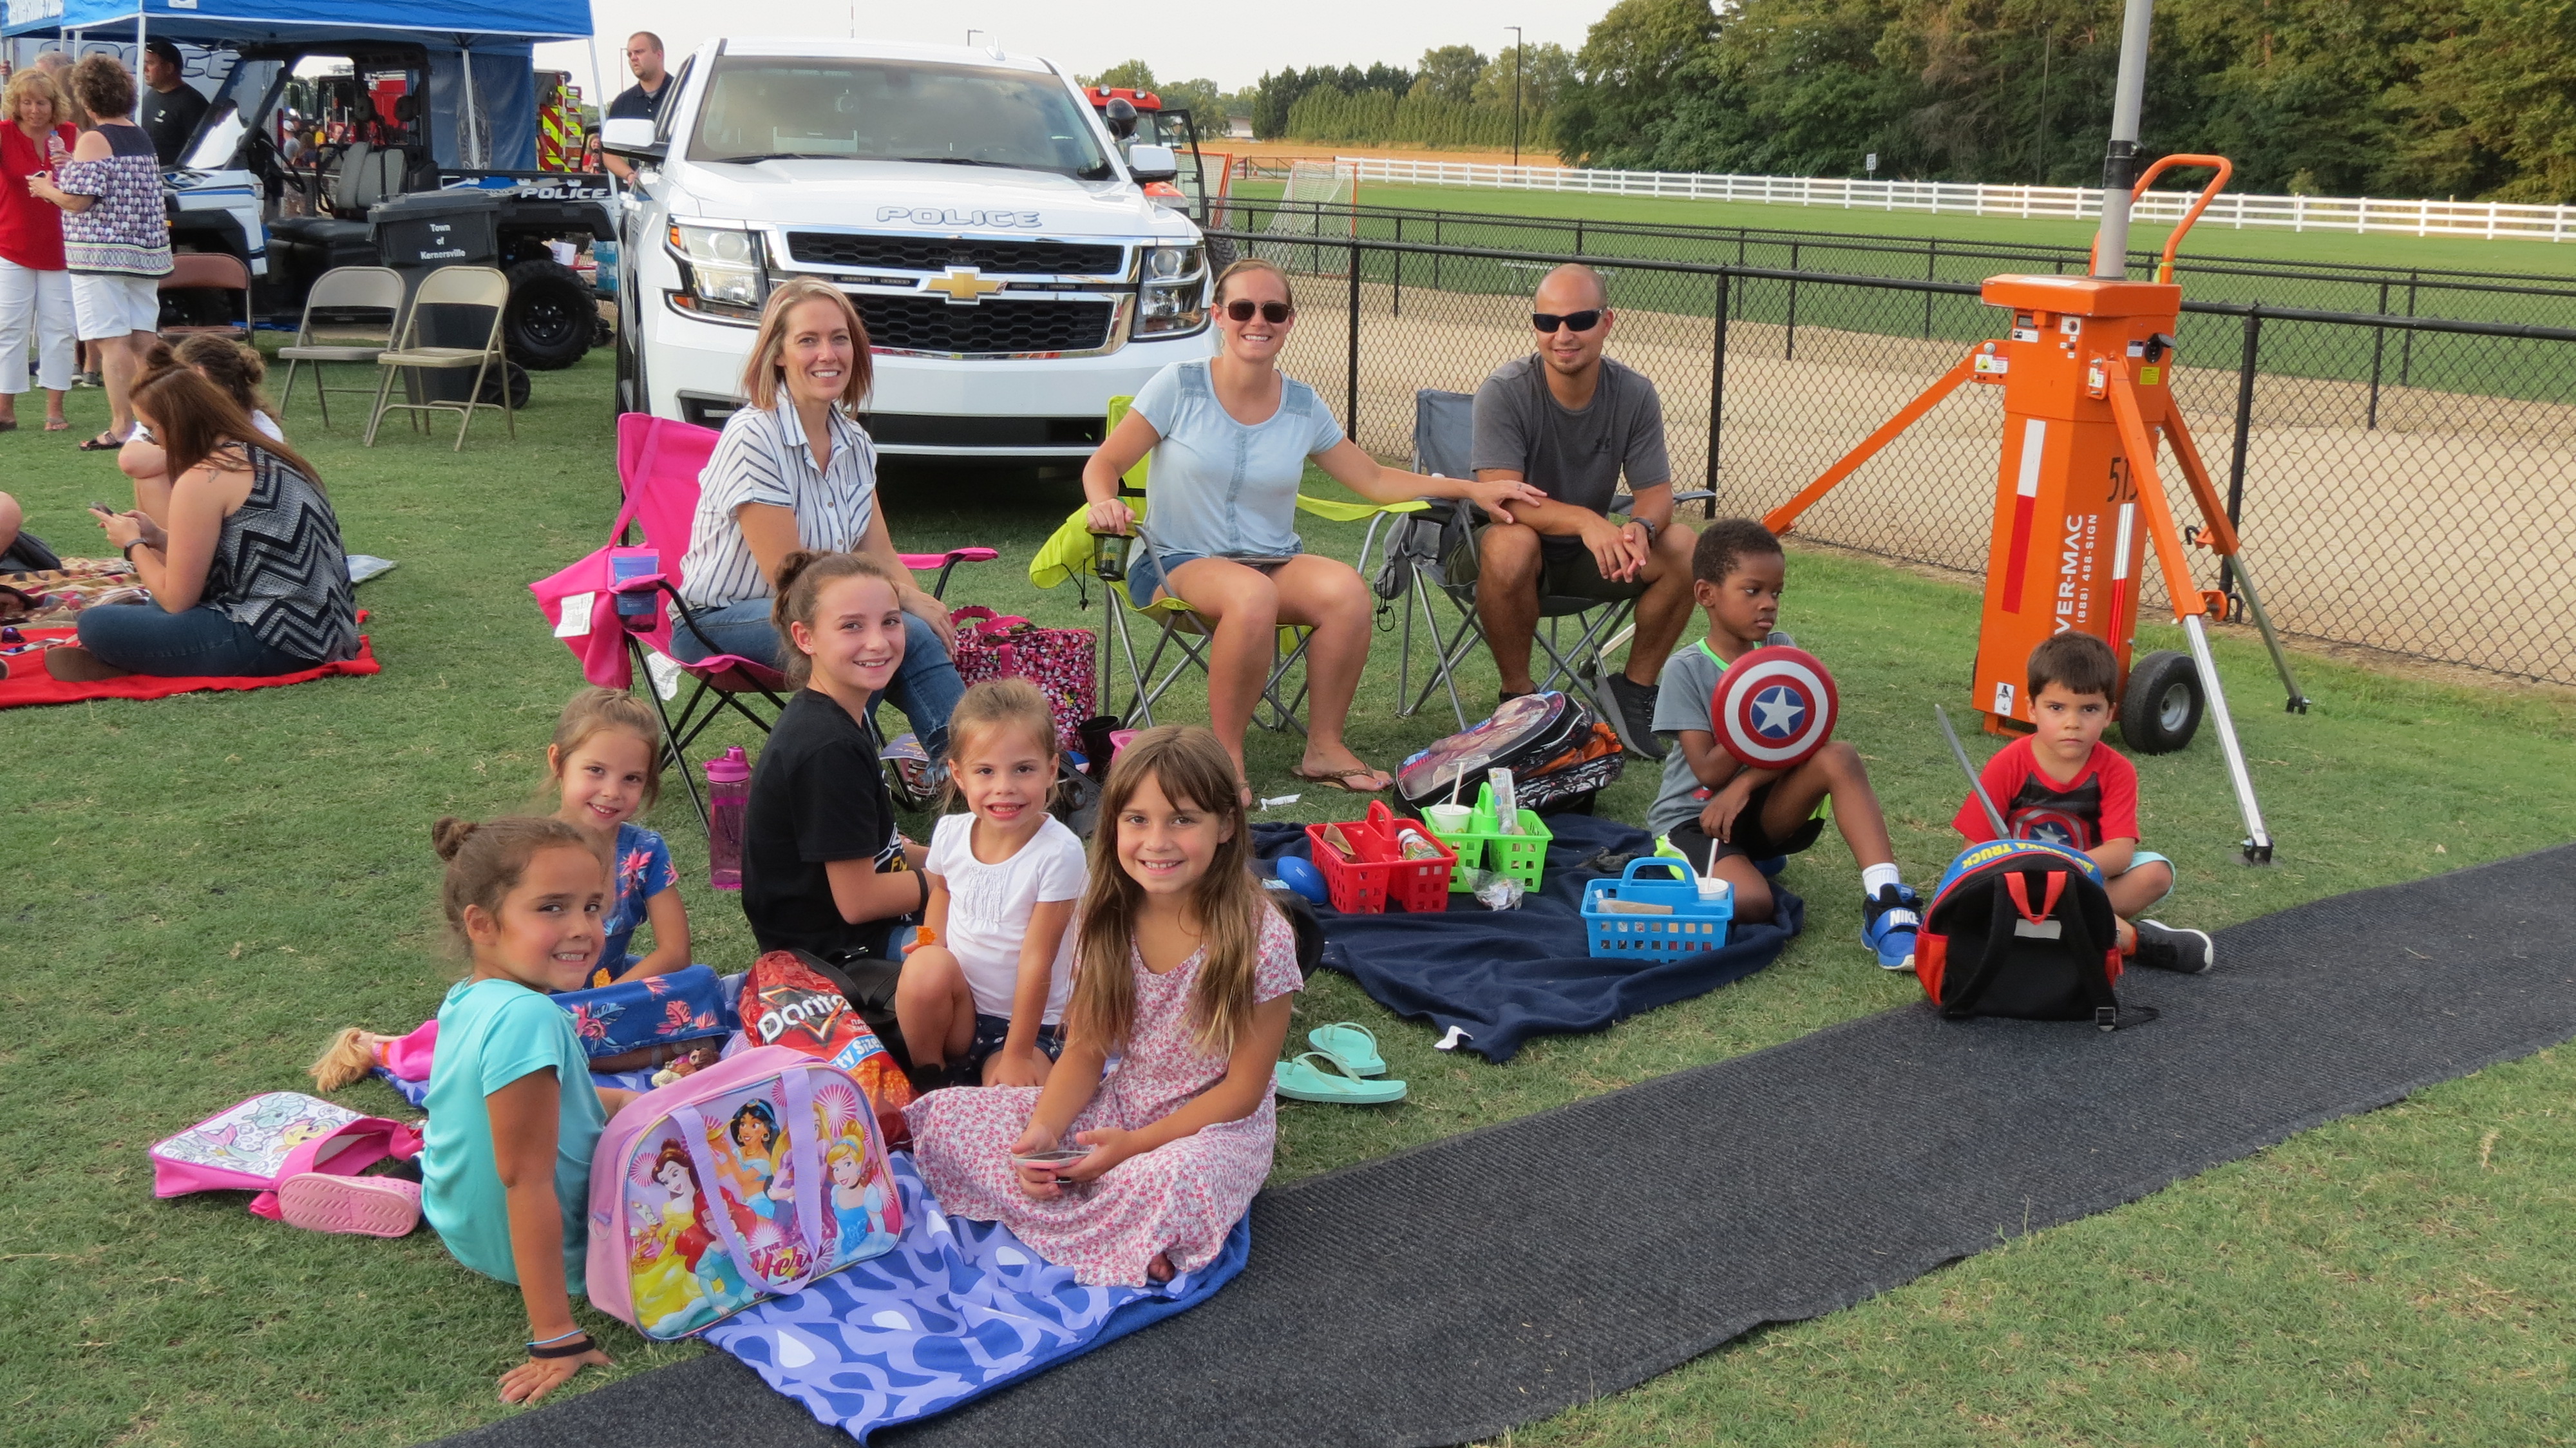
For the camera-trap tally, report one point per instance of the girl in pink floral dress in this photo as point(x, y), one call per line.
point(1185, 974)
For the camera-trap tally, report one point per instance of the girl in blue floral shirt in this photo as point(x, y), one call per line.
point(602, 761)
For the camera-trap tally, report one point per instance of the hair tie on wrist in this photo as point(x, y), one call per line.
point(571, 1344)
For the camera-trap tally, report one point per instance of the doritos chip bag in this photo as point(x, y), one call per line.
point(786, 1002)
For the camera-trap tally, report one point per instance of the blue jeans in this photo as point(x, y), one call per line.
point(141, 638)
point(926, 688)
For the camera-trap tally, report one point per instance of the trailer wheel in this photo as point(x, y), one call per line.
point(551, 316)
point(2161, 709)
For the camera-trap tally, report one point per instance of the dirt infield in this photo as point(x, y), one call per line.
point(2446, 531)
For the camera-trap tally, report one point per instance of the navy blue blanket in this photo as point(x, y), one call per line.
point(1496, 979)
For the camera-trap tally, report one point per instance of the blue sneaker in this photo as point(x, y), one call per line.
point(1888, 924)
point(1772, 867)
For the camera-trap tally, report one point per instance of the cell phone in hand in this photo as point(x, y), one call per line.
point(1060, 1157)
point(103, 509)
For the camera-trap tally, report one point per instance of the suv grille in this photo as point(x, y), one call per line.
point(937, 253)
point(933, 324)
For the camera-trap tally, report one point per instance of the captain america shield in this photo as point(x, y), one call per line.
point(1774, 708)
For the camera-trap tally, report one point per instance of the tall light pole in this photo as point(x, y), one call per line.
point(1519, 55)
point(2120, 164)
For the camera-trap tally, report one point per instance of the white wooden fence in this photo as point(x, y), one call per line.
point(2297, 213)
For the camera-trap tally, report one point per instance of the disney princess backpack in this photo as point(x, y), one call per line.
point(745, 1181)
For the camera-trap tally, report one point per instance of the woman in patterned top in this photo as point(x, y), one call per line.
point(116, 236)
point(246, 572)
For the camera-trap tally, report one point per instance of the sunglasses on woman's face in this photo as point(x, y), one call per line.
point(1272, 312)
point(1579, 321)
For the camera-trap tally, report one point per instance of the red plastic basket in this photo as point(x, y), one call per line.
point(1364, 885)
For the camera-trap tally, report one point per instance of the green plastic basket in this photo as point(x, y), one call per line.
point(1480, 846)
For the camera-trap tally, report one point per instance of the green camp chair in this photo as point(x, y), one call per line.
point(1072, 553)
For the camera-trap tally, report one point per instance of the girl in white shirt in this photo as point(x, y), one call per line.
point(984, 986)
point(229, 365)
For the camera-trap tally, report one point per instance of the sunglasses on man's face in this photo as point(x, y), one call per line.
point(1578, 321)
point(1271, 312)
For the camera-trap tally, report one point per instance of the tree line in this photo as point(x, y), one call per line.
point(2467, 98)
point(1455, 95)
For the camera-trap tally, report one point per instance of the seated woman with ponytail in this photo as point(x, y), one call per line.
point(244, 564)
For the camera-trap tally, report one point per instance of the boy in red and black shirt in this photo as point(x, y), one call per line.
point(2061, 784)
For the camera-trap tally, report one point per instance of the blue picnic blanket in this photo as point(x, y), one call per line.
point(957, 1309)
point(1490, 980)
point(417, 1092)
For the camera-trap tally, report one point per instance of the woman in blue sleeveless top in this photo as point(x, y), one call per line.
point(1231, 436)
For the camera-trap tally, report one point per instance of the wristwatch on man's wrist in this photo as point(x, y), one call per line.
point(1646, 524)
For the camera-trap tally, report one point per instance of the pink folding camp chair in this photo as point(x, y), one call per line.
point(628, 592)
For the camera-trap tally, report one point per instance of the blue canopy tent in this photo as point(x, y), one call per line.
point(482, 93)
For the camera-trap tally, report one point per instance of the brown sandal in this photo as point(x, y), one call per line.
point(1341, 779)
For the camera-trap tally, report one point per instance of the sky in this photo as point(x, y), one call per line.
point(1230, 44)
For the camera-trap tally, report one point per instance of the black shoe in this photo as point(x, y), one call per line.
point(1613, 862)
point(2162, 947)
point(1634, 719)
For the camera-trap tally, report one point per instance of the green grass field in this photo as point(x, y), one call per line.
point(1852, 243)
point(2378, 250)
point(203, 888)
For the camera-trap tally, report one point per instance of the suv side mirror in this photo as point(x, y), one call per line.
point(631, 137)
point(1119, 116)
point(1149, 164)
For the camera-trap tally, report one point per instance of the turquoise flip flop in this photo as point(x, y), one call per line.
point(1322, 1076)
point(1353, 1044)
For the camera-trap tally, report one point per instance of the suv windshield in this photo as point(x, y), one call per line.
point(772, 107)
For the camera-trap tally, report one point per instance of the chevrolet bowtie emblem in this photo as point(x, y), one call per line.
point(963, 286)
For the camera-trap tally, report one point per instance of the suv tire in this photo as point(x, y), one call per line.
point(551, 316)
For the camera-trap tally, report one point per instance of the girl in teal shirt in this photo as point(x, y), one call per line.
point(513, 1117)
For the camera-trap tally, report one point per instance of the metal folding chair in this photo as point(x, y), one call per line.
point(450, 286)
point(1415, 552)
point(334, 295)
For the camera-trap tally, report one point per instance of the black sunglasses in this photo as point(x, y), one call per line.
point(1271, 312)
point(1579, 321)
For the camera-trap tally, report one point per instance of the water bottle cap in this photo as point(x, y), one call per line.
point(730, 767)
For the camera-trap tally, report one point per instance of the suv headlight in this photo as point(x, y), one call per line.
point(721, 270)
point(1171, 301)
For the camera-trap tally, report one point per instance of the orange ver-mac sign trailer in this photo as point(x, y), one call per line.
point(2086, 370)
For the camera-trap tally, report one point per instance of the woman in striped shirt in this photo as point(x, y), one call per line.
point(794, 471)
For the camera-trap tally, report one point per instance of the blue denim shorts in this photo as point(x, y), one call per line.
point(1148, 570)
point(992, 1031)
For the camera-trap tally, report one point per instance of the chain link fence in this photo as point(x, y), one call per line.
point(2402, 484)
point(2484, 296)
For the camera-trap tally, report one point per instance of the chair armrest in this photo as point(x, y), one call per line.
point(1339, 511)
point(1622, 502)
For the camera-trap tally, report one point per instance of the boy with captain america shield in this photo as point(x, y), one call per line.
point(1753, 760)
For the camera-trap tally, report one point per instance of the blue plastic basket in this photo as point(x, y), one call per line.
point(1693, 926)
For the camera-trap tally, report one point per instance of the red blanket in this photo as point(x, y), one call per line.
point(28, 683)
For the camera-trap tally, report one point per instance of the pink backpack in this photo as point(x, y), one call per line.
point(263, 1141)
point(745, 1181)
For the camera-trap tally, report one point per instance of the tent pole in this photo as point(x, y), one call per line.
point(599, 97)
point(481, 152)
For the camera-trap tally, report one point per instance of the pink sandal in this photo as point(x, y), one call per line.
point(365, 1206)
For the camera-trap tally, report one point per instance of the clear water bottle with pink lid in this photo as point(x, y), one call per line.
point(728, 796)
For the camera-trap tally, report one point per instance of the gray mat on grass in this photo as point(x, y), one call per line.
point(1453, 1291)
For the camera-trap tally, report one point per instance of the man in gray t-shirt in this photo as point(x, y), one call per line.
point(1569, 422)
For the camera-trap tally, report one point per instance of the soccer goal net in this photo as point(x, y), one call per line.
point(1319, 202)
